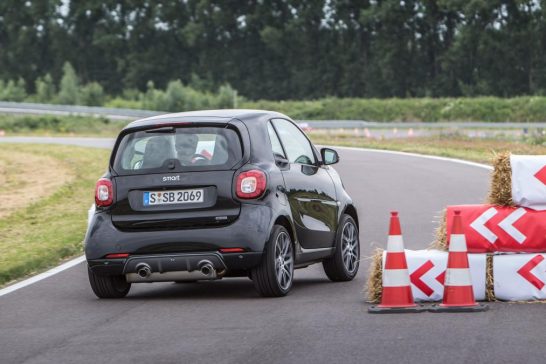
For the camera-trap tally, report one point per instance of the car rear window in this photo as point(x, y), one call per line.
point(177, 150)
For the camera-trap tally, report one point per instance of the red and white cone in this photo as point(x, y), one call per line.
point(396, 296)
point(458, 292)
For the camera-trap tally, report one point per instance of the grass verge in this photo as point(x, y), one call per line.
point(41, 234)
point(181, 98)
point(517, 109)
point(47, 125)
point(471, 149)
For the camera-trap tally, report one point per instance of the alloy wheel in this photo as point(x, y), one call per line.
point(284, 262)
point(349, 247)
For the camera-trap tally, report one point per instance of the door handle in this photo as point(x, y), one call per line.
point(326, 202)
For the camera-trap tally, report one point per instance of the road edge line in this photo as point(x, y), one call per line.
point(42, 276)
point(417, 155)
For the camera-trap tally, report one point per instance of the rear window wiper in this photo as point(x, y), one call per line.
point(165, 130)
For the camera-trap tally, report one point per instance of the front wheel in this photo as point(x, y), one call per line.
point(343, 265)
point(108, 286)
point(274, 276)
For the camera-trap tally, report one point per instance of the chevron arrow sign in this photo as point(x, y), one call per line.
point(507, 229)
point(520, 277)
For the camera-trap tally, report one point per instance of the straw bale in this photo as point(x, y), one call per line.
point(500, 191)
point(489, 279)
point(374, 286)
point(440, 240)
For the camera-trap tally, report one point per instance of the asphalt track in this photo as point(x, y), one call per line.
point(59, 320)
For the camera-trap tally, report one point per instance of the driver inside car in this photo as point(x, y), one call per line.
point(186, 145)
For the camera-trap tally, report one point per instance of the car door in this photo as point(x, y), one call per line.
point(310, 190)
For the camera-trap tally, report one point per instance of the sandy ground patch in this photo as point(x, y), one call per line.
point(27, 177)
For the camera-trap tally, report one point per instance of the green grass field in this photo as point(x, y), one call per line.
point(47, 125)
point(494, 109)
point(472, 149)
point(41, 233)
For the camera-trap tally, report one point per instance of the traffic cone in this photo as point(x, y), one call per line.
point(458, 292)
point(396, 296)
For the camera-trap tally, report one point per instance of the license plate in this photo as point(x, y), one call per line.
point(153, 198)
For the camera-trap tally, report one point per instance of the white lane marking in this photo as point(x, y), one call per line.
point(508, 225)
point(479, 225)
point(408, 154)
point(71, 263)
point(42, 276)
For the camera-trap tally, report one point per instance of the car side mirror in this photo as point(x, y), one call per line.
point(329, 156)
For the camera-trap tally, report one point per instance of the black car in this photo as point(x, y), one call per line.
point(210, 194)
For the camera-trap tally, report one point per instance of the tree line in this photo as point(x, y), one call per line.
point(278, 49)
point(70, 91)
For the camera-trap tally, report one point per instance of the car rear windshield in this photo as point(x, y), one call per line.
point(178, 150)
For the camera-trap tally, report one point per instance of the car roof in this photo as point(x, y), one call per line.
point(206, 116)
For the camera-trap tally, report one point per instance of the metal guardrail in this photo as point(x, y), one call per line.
point(361, 124)
point(50, 109)
point(133, 114)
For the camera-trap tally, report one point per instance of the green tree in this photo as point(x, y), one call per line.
point(69, 92)
point(13, 90)
point(45, 89)
point(27, 32)
point(154, 99)
point(279, 49)
point(226, 97)
point(92, 94)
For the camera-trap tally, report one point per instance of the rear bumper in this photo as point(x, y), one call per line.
point(250, 232)
point(164, 263)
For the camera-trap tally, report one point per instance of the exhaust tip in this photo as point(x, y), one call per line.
point(206, 267)
point(144, 270)
point(206, 270)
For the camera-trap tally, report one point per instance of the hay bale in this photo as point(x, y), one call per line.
point(374, 286)
point(500, 191)
point(489, 279)
point(440, 241)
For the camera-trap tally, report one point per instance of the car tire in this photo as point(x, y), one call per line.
point(343, 265)
point(274, 276)
point(108, 286)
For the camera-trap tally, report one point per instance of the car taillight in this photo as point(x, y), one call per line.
point(104, 192)
point(231, 250)
point(251, 184)
point(117, 256)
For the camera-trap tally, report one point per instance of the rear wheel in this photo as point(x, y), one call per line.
point(108, 286)
point(274, 276)
point(343, 265)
